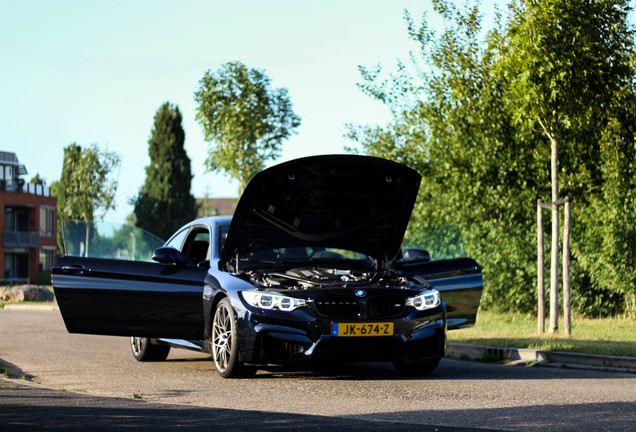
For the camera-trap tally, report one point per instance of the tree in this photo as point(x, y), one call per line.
point(164, 202)
point(477, 116)
point(561, 58)
point(244, 119)
point(87, 186)
point(567, 63)
point(36, 179)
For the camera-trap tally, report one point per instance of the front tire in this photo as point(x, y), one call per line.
point(225, 343)
point(143, 350)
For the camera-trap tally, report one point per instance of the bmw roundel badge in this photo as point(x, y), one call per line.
point(360, 293)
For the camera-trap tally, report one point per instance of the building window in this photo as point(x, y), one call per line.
point(9, 219)
point(16, 266)
point(16, 219)
point(8, 175)
point(46, 259)
point(47, 221)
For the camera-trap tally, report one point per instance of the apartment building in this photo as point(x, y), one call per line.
point(27, 224)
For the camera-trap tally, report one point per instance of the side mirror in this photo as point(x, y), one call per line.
point(169, 255)
point(413, 256)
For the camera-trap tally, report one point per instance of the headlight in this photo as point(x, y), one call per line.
point(426, 300)
point(269, 301)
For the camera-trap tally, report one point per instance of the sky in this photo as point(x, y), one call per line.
point(96, 72)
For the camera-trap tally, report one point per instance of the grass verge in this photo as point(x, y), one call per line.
point(606, 336)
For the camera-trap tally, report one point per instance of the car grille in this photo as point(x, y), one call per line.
point(341, 307)
point(338, 307)
point(385, 307)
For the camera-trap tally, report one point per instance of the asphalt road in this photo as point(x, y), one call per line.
point(99, 371)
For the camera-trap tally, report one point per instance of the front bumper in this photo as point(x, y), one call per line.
point(267, 338)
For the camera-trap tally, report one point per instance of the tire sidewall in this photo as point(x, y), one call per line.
point(234, 367)
point(149, 352)
point(142, 353)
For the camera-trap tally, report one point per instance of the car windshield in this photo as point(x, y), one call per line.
point(108, 240)
point(442, 242)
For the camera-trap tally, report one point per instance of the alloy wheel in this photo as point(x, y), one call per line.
point(137, 344)
point(222, 337)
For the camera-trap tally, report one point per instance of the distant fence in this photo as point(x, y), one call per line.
point(30, 188)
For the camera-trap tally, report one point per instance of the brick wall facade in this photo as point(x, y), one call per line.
point(30, 205)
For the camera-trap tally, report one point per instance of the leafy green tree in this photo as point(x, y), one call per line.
point(72, 155)
point(164, 202)
point(474, 116)
point(244, 119)
point(566, 63)
point(87, 186)
point(36, 179)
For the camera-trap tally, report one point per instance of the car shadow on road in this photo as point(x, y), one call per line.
point(448, 370)
point(29, 407)
point(36, 408)
point(607, 416)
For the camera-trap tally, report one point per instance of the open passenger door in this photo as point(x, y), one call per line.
point(437, 253)
point(108, 284)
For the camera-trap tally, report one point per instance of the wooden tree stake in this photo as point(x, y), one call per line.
point(540, 269)
point(566, 268)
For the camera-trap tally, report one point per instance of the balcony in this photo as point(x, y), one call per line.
point(27, 188)
point(22, 239)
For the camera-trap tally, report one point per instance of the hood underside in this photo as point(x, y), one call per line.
point(357, 203)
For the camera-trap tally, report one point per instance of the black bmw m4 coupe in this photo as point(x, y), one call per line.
point(311, 268)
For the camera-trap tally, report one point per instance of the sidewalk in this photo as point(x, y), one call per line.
point(541, 357)
point(32, 307)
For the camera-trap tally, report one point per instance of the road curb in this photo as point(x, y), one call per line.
point(31, 307)
point(541, 357)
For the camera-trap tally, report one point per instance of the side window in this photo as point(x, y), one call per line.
point(197, 246)
point(202, 236)
point(222, 234)
point(177, 241)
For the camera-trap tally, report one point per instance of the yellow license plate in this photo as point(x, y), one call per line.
point(362, 329)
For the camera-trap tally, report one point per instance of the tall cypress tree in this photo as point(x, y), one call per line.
point(164, 202)
point(86, 189)
point(72, 155)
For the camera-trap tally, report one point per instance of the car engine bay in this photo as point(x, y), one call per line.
point(318, 277)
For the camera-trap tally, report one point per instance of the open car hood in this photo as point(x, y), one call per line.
point(350, 202)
